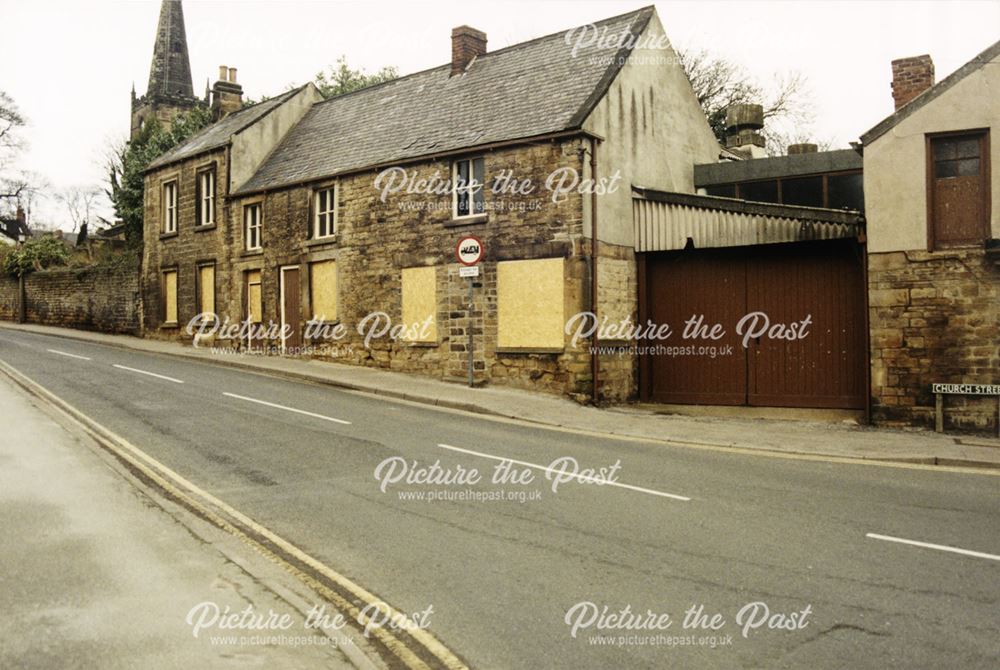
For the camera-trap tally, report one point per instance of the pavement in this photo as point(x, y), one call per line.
point(844, 439)
point(98, 575)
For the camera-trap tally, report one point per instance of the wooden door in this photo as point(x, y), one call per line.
point(818, 289)
point(682, 285)
point(291, 310)
point(958, 190)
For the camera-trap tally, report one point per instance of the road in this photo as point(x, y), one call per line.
point(677, 528)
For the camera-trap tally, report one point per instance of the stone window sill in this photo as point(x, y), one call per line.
point(251, 252)
point(467, 221)
point(530, 350)
point(168, 325)
point(321, 241)
point(167, 236)
point(421, 345)
point(207, 226)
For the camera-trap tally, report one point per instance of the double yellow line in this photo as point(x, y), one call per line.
point(411, 647)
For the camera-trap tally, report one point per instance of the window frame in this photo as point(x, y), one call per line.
point(257, 226)
point(455, 188)
point(332, 191)
point(168, 206)
point(983, 135)
point(205, 176)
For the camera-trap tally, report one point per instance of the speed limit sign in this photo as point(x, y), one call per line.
point(469, 250)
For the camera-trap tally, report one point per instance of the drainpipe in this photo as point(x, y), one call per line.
point(595, 360)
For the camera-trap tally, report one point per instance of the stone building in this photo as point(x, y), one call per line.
point(933, 209)
point(306, 212)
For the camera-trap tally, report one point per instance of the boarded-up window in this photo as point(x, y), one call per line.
point(323, 290)
point(530, 304)
point(420, 304)
point(206, 288)
point(170, 296)
point(255, 306)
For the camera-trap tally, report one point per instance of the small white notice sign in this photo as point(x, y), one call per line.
point(469, 271)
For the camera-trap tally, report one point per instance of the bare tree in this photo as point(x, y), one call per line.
point(80, 203)
point(16, 185)
point(719, 83)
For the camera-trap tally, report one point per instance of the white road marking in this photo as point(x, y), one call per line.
point(151, 374)
point(63, 353)
point(928, 545)
point(289, 409)
point(582, 478)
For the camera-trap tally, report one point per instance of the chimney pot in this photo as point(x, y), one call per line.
point(466, 44)
point(911, 77)
point(232, 75)
point(223, 72)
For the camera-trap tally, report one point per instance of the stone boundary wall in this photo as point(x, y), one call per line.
point(97, 298)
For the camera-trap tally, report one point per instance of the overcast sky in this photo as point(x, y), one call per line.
point(70, 65)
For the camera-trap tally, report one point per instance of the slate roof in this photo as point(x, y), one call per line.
point(890, 122)
point(526, 90)
point(219, 134)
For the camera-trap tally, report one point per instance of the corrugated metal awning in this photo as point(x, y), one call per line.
point(665, 221)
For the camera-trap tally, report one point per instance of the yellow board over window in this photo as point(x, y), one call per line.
point(420, 304)
point(530, 304)
point(255, 307)
point(323, 287)
point(170, 296)
point(206, 289)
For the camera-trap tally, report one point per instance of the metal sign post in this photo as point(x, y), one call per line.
point(469, 251)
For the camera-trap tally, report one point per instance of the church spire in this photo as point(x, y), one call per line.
point(170, 71)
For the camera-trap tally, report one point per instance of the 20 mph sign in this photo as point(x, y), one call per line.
point(469, 250)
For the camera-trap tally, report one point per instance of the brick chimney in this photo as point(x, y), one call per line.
point(911, 77)
point(227, 95)
point(466, 44)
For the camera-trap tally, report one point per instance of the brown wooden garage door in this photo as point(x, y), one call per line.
point(787, 282)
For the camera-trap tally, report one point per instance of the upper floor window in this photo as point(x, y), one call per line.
point(170, 207)
point(467, 177)
point(205, 197)
point(251, 226)
point(958, 189)
point(325, 207)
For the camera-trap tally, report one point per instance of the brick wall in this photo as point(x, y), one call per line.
point(935, 317)
point(93, 298)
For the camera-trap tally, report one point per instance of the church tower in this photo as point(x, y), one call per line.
point(170, 90)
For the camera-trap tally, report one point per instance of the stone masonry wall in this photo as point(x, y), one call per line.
point(935, 317)
point(185, 249)
point(91, 298)
point(376, 240)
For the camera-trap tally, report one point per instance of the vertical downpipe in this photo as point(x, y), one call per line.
point(595, 361)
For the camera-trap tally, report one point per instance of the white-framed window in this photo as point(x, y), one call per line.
point(251, 226)
point(170, 207)
point(467, 177)
point(325, 208)
point(206, 198)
